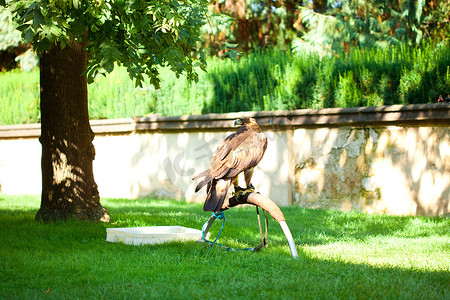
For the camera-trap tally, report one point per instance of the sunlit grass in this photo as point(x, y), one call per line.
point(341, 255)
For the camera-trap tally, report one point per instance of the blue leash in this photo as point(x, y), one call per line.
point(221, 216)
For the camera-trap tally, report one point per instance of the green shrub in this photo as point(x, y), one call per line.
point(261, 81)
point(19, 97)
point(271, 80)
point(372, 77)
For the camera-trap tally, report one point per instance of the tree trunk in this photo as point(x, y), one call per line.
point(68, 187)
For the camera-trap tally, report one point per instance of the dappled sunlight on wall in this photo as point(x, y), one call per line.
point(410, 167)
point(393, 170)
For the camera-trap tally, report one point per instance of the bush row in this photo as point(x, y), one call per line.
point(272, 80)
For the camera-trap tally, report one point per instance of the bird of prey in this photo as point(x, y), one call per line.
point(239, 152)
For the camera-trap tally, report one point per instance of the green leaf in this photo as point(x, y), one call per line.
point(28, 35)
point(138, 83)
point(23, 27)
point(118, 31)
point(229, 45)
point(38, 19)
point(110, 51)
point(108, 66)
point(30, 12)
point(76, 4)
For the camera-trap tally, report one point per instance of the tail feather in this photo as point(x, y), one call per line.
point(217, 192)
point(202, 183)
point(204, 180)
point(202, 174)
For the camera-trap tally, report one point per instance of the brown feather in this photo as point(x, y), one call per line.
point(217, 192)
point(239, 152)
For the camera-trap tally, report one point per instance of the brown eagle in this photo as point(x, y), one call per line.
point(239, 152)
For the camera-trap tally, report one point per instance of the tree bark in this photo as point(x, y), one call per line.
point(68, 187)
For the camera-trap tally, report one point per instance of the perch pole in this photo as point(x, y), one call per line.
point(247, 197)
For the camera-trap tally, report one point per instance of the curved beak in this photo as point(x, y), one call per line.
point(238, 122)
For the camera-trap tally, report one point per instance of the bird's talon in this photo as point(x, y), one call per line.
point(248, 190)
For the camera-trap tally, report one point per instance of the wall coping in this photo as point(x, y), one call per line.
point(435, 114)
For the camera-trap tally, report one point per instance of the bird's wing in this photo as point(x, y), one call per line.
point(237, 153)
point(240, 151)
point(231, 142)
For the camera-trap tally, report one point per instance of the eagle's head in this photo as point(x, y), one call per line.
point(244, 121)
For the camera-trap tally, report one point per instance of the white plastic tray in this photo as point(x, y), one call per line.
point(152, 235)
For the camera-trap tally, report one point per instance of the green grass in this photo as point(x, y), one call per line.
point(341, 255)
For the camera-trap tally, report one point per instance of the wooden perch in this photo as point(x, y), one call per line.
point(250, 197)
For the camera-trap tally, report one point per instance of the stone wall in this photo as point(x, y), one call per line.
point(392, 159)
point(394, 170)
